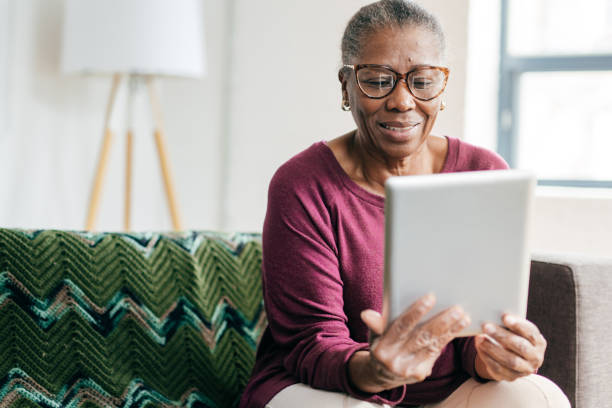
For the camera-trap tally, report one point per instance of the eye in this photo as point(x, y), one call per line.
point(422, 83)
point(379, 81)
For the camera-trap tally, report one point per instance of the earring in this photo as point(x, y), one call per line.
point(346, 106)
point(443, 106)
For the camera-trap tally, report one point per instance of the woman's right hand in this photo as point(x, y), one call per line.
point(406, 351)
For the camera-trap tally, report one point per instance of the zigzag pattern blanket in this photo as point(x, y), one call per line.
point(127, 320)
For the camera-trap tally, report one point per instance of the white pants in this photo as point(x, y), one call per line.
point(526, 392)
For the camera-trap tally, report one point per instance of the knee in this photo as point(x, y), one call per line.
point(531, 391)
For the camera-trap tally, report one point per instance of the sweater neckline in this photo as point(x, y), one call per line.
point(375, 199)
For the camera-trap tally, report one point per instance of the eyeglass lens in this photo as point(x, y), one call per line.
point(378, 82)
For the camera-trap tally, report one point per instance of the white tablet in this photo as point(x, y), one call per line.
point(461, 236)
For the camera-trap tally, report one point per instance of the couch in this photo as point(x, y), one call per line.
point(173, 319)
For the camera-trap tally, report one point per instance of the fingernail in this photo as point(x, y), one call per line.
point(456, 312)
point(488, 328)
point(492, 341)
point(428, 300)
point(510, 320)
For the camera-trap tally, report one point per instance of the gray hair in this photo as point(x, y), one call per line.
point(384, 14)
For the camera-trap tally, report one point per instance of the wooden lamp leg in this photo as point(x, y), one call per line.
point(163, 157)
point(94, 200)
point(129, 152)
point(128, 180)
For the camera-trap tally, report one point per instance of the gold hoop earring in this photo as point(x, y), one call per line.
point(443, 106)
point(346, 106)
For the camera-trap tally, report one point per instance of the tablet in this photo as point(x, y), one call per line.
point(463, 237)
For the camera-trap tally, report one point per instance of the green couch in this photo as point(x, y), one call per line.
point(173, 319)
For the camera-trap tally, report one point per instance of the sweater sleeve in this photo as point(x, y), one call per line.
point(303, 288)
point(467, 350)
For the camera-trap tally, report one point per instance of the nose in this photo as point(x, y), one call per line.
point(400, 99)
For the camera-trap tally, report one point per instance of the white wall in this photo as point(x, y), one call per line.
point(291, 50)
point(571, 220)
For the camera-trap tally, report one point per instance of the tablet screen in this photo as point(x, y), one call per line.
point(461, 236)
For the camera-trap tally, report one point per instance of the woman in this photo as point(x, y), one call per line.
point(323, 249)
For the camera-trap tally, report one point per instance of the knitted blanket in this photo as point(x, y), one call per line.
point(127, 320)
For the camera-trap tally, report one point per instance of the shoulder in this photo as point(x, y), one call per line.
point(301, 198)
point(464, 156)
point(309, 175)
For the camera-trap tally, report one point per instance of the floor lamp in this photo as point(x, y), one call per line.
point(140, 40)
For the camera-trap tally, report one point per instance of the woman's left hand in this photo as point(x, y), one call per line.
point(519, 350)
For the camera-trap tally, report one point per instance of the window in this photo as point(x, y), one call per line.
point(555, 99)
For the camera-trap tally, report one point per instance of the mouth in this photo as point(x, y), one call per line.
point(399, 126)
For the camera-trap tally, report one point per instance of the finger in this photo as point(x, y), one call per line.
point(414, 362)
point(513, 342)
point(373, 320)
point(451, 320)
point(402, 327)
point(385, 310)
point(497, 370)
point(505, 357)
point(429, 345)
point(524, 328)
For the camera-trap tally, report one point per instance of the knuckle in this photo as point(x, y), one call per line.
point(496, 368)
point(395, 367)
point(515, 364)
point(382, 371)
point(399, 327)
point(380, 355)
point(403, 325)
point(423, 339)
point(432, 349)
point(523, 347)
point(419, 375)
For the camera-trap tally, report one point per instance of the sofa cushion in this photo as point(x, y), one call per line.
point(570, 300)
point(128, 319)
point(552, 307)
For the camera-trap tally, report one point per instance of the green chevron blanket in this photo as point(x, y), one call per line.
point(127, 320)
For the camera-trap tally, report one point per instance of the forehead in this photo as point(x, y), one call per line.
point(401, 48)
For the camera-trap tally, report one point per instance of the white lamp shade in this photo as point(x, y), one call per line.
point(160, 37)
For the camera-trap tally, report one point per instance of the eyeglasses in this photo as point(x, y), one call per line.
point(377, 81)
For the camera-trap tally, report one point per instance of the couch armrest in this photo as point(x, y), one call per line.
point(570, 299)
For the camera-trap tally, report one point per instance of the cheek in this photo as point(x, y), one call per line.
point(430, 110)
point(364, 110)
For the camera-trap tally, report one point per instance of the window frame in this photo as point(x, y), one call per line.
point(510, 70)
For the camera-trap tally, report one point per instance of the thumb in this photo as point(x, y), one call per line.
point(374, 321)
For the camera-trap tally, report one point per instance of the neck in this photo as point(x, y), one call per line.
point(374, 167)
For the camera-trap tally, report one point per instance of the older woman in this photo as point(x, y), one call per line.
point(323, 249)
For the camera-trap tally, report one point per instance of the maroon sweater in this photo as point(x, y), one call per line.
point(323, 241)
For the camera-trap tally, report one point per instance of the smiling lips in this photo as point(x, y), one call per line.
point(399, 126)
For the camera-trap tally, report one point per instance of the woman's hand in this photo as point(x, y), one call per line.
point(404, 352)
point(516, 350)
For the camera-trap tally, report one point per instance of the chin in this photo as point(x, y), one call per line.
point(402, 147)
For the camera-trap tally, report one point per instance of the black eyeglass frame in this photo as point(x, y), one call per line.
point(399, 77)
